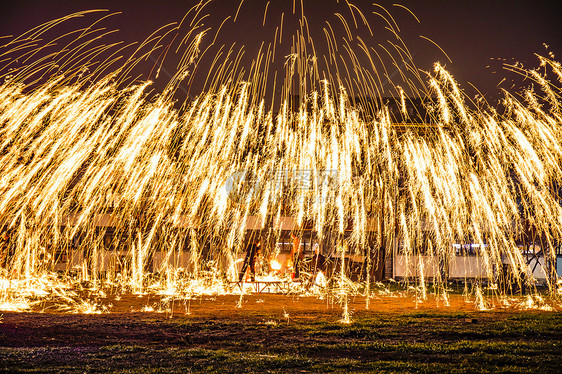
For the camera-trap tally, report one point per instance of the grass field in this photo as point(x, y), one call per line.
point(273, 333)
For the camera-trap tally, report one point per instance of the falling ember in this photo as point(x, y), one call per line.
point(109, 188)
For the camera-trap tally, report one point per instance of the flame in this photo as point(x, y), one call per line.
point(320, 279)
point(275, 265)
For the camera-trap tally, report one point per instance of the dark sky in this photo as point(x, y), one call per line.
point(470, 32)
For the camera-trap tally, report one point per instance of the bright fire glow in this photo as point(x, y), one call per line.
point(275, 265)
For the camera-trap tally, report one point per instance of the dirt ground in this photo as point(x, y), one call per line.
point(279, 333)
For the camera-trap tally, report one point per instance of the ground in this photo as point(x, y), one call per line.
point(279, 333)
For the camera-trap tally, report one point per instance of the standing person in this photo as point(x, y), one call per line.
point(318, 261)
point(318, 265)
point(252, 253)
point(296, 254)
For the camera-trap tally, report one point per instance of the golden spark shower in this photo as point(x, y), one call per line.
point(320, 162)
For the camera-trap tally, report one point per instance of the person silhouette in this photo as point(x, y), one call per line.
point(252, 253)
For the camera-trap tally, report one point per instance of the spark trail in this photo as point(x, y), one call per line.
point(85, 152)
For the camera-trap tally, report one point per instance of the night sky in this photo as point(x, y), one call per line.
point(477, 35)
